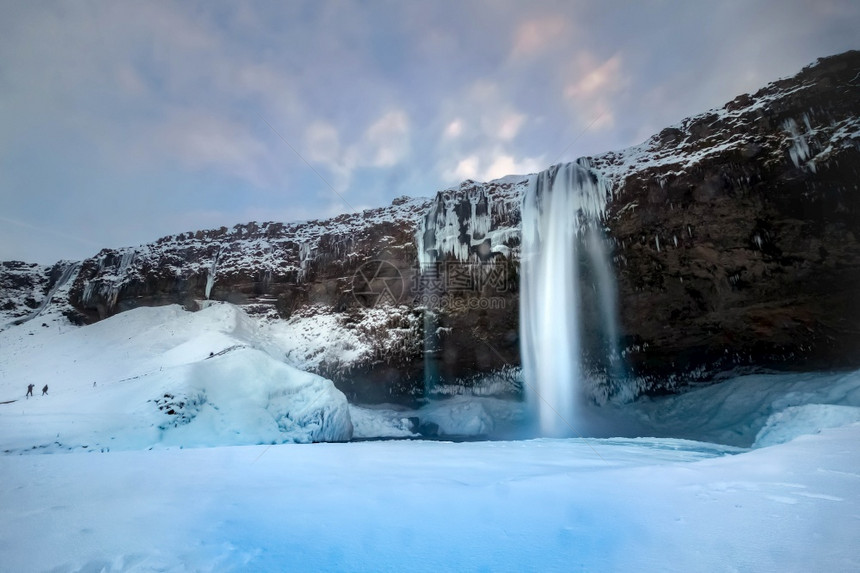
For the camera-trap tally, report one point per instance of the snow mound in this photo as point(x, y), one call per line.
point(159, 377)
point(381, 422)
point(245, 396)
point(797, 421)
point(733, 412)
point(459, 417)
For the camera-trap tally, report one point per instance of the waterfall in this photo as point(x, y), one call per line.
point(560, 215)
point(607, 299)
point(210, 276)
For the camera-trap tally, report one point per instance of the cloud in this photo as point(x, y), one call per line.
point(200, 141)
point(595, 80)
point(383, 144)
point(593, 88)
point(536, 36)
point(478, 137)
point(509, 165)
point(467, 168)
point(454, 129)
point(322, 143)
point(509, 125)
point(386, 141)
point(489, 164)
point(130, 82)
point(103, 108)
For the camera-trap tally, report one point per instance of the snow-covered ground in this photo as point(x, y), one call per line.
point(99, 475)
point(541, 505)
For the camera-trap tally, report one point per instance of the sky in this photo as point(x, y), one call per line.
point(121, 122)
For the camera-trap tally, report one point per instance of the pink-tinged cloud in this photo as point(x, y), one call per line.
point(592, 92)
point(536, 36)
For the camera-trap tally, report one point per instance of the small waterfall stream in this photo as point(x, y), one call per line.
point(210, 276)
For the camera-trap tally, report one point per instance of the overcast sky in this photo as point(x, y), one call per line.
point(121, 122)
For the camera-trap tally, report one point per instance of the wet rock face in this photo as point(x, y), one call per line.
point(763, 273)
point(750, 256)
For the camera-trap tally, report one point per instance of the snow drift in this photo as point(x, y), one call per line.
point(160, 376)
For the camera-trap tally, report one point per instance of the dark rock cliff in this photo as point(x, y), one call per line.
point(735, 244)
point(738, 231)
point(735, 236)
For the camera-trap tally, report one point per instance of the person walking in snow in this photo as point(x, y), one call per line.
point(30, 390)
point(45, 390)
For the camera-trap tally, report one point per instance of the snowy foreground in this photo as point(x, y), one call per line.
point(544, 505)
point(103, 477)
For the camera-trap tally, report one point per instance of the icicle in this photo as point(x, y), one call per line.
point(799, 150)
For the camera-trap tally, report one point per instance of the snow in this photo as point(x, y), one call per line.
point(385, 421)
point(26, 291)
point(796, 421)
point(98, 478)
point(460, 417)
point(158, 377)
point(547, 505)
point(735, 410)
point(736, 129)
point(316, 336)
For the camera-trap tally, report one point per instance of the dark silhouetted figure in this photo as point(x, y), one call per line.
point(30, 390)
point(45, 390)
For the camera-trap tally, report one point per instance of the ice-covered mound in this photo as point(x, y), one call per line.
point(797, 421)
point(245, 396)
point(473, 416)
point(382, 421)
point(459, 417)
point(735, 411)
point(159, 376)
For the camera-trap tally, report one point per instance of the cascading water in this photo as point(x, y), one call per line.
point(607, 294)
point(560, 213)
point(210, 276)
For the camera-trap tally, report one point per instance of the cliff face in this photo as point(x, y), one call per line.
point(734, 240)
point(735, 234)
point(26, 290)
point(266, 267)
point(738, 230)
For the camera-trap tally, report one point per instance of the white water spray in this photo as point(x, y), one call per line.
point(557, 208)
